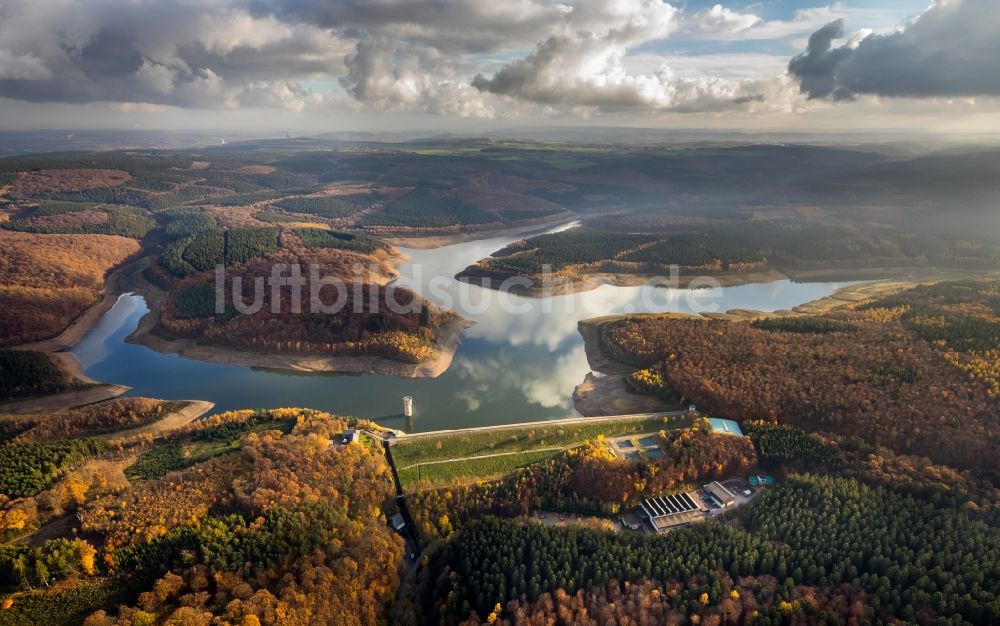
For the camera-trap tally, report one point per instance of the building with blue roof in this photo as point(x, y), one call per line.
point(725, 427)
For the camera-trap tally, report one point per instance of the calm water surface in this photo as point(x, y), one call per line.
point(519, 362)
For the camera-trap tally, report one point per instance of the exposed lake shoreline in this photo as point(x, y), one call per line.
point(443, 352)
point(447, 341)
point(129, 278)
point(587, 281)
point(511, 366)
point(590, 281)
point(433, 241)
point(54, 347)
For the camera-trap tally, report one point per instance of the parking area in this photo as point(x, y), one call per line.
point(559, 520)
point(742, 491)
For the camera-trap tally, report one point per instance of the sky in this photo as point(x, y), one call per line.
point(466, 65)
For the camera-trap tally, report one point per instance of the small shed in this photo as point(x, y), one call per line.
point(397, 522)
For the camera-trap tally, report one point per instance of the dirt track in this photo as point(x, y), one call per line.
point(63, 401)
point(173, 421)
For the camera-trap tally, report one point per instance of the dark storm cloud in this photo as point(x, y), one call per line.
point(393, 53)
point(815, 69)
point(951, 50)
point(206, 54)
point(157, 53)
point(97, 73)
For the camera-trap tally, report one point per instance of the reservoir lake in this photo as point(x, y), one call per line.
point(519, 362)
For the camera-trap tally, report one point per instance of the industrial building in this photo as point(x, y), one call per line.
point(718, 492)
point(350, 436)
point(666, 512)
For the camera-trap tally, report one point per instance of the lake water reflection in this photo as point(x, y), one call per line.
point(518, 363)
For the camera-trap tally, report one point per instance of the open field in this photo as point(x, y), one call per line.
point(473, 468)
point(450, 455)
point(492, 441)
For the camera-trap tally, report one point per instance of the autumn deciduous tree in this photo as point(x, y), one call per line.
point(853, 375)
point(585, 479)
point(304, 540)
point(48, 280)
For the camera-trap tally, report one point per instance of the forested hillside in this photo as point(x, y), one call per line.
point(815, 550)
point(268, 523)
point(885, 371)
point(48, 280)
point(875, 517)
point(26, 373)
point(657, 243)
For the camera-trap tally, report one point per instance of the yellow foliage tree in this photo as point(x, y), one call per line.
point(444, 524)
point(14, 519)
point(87, 554)
point(76, 489)
point(495, 615)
